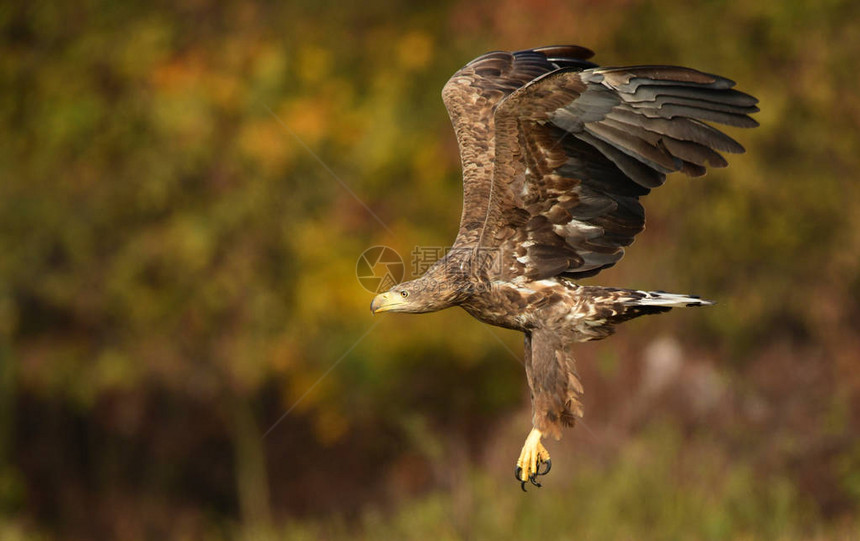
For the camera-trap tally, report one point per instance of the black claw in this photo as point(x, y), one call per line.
point(548, 467)
point(517, 473)
point(533, 477)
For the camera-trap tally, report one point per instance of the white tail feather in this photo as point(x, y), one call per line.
point(660, 298)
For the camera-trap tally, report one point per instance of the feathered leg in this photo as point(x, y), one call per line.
point(555, 394)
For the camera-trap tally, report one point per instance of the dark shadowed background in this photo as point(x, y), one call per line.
point(186, 188)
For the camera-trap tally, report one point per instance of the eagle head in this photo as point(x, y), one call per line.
point(416, 297)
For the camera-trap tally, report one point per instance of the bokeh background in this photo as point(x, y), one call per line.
point(186, 187)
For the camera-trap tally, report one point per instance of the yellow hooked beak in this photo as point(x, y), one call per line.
point(387, 302)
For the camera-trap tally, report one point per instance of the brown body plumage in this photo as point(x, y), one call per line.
point(556, 153)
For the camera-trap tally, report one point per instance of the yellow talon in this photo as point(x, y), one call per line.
point(533, 455)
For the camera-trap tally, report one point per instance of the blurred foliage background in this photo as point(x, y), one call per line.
point(186, 188)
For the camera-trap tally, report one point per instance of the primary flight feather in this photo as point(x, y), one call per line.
point(556, 153)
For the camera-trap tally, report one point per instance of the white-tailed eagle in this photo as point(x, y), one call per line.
point(556, 153)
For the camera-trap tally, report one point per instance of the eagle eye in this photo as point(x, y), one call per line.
point(404, 293)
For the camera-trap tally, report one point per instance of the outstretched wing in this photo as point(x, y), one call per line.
point(575, 149)
point(471, 97)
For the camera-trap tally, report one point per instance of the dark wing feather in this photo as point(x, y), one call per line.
point(574, 150)
point(471, 97)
